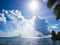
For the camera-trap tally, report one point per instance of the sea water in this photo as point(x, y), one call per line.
point(27, 41)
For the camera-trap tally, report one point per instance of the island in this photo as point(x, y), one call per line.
point(55, 36)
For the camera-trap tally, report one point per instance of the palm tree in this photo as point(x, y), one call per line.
point(58, 35)
point(56, 8)
point(53, 35)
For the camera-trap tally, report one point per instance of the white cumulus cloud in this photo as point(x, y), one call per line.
point(16, 24)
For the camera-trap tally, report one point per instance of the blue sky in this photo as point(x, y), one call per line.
point(16, 19)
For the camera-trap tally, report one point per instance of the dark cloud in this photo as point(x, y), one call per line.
point(41, 26)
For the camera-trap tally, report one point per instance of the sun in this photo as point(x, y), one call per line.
point(33, 5)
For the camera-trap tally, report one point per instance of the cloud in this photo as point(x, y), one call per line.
point(16, 25)
point(2, 18)
point(11, 22)
point(9, 33)
point(41, 26)
point(54, 26)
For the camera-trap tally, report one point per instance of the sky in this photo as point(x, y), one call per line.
point(21, 18)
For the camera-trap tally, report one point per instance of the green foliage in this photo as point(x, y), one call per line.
point(53, 34)
point(56, 8)
point(58, 15)
point(57, 11)
point(50, 3)
point(58, 35)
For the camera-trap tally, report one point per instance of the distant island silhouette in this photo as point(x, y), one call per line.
point(55, 36)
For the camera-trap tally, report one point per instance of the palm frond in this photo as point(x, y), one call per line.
point(57, 8)
point(58, 15)
point(57, 11)
point(51, 3)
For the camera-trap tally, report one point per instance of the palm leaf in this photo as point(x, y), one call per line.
point(51, 3)
point(58, 15)
point(56, 8)
point(57, 11)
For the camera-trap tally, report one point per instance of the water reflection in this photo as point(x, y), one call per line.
point(28, 41)
point(55, 42)
point(41, 41)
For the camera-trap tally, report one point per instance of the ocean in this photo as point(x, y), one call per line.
point(27, 41)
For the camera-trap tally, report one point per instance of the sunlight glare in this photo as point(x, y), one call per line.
point(33, 6)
